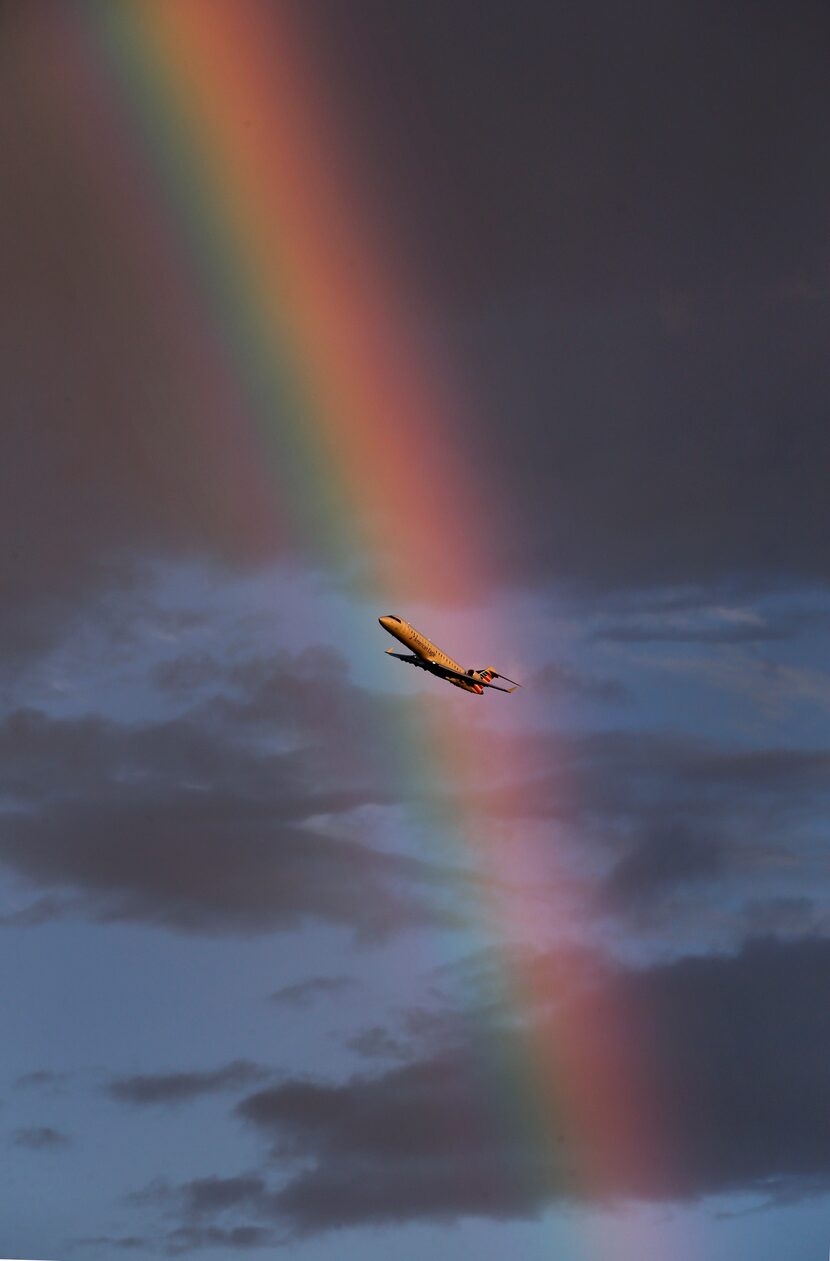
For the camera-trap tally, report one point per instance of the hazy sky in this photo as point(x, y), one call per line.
point(302, 952)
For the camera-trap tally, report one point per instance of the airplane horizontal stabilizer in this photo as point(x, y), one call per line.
point(490, 673)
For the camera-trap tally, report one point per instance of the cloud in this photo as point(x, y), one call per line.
point(185, 674)
point(663, 858)
point(210, 1195)
point(215, 864)
point(193, 1204)
point(186, 1238)
point(202, 1195)
point(620, 770)
point(698, 197)
point(619, 782)
point(41, 1078)
point(774, 688)
point(640, 450)
point(377, 1043)
point(673, 830)
point(237, 816)
point(610, 496)
point(40, 911)
point(200, 824)
point(560, 680)
point(181, 1087)
point(304, 993)
point(695, 620)
point(662, 813)
point(40, 1138)
point(125, 1243)
point(194, 1238)
point(731, 633)
point(796, 915)
point(733, 1048)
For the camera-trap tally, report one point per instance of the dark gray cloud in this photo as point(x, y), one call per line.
point(39, 911)
point(663, 859)
point(202, 1195)
point(377, 1042)
point(40, 1138)
point(709, 625)
point(216, 864)
point(182, 1086)
point(562, 681)
point(304, 993)
point(125, 1243)
point(210, 1195)
point(620, 773)
point(198, 824)
point(644, 150)
point(41, 1078)
point(734, 1050)
point(184, 1239)
point(186, 674)
point(783, 916)
point(194, 1238)
point(191, 1206)
point(666, 817)
point(625, 772)
point(724, 633)
point(729, 633)
point(621, 206)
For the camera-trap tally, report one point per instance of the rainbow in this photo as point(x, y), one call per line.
point(233, 168)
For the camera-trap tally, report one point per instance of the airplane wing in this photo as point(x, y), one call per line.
point(448, 672)
point(410, 658)
point(435, 667)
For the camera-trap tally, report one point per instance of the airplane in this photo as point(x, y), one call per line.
point(426, 656)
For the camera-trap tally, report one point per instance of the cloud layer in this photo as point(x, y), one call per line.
point(198, 823)
point(734, 1048)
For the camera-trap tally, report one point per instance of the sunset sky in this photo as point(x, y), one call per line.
point(511, 319)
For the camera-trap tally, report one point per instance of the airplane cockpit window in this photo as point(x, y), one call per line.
point(392, 617)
